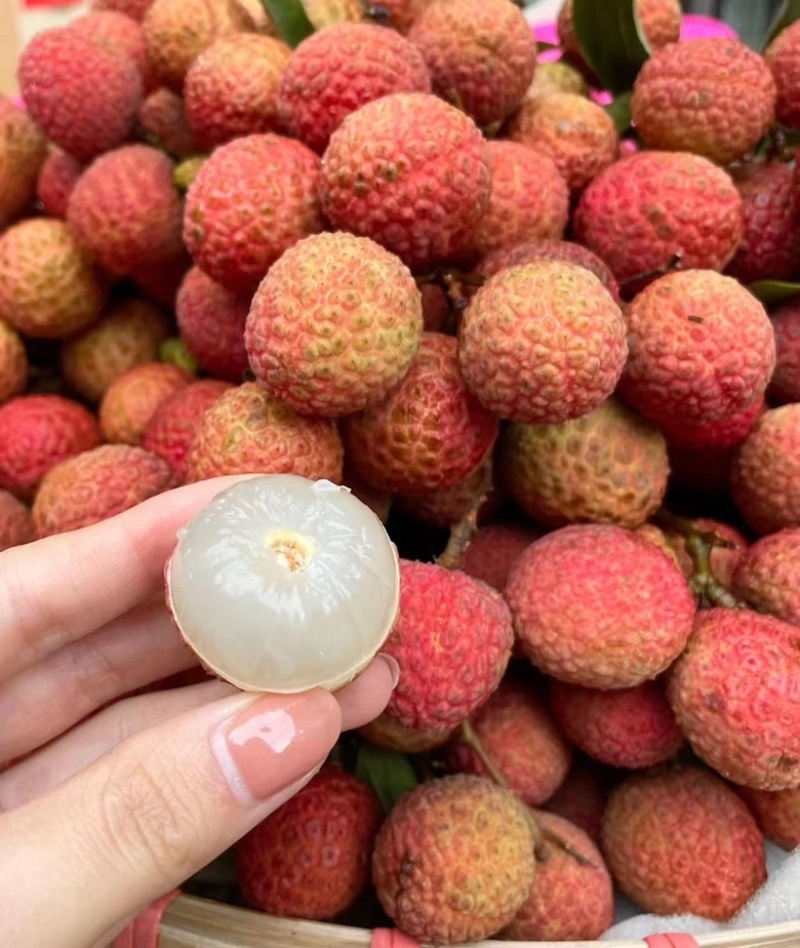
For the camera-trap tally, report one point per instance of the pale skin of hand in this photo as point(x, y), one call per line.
point(109, 809)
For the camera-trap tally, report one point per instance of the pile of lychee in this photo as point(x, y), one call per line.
point(400, 255)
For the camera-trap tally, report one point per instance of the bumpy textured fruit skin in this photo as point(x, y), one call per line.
point(132, 398)
point(409, 171)
point(542, 343)
point(96, 485)
point(714, 97)
point(518, 735)
point(23, 149)
point(337, 70)
point(334, 325)
point(777, 814)
point(529, 201)
point(643, 210)
point(481, 55)
point(583, 796)
point(660, 20)
point(311, 857)
point(783, 58)
point(247, 432)
point(576, 133)
point(784, 386)
point(57, 177)
point(723, 559)
point(252, 200)
point(126, 211)
point(765, 476)
point(445, 506)
point(701, 347)
point(679, 840)
point(424, 881)
point(135, 9)
point(493, 550)
point(569, 900)
point(231, 89)
point(557, 76)
point(628, 727)
point(766, 575)
point(49, 287)
point(734, 692)
point(82, 95)
point(16, 526)
point(609, 466)
point(452, 642)
point(402, 13)
point(632, 594)
point(13, 362)
point(121, 34)
point(38, 432)
point(428, 432)
point(162, 120)
point(532, 250)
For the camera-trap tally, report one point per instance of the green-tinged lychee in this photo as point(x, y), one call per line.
point(131, 400)
point(16, 526)
point(766, 575)
point(23, 149)
point(13, 362)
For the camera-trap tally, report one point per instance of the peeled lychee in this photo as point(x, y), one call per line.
point(133, 397)
point(23, 149)
point(16, 526)
point(631, 620)
point(162, 123)
point(494, 549)
point(777, 814)
point(678, 840)
point(784, 386)
point(782, 58)
point(660, 22)
point(13, 362)
point(766, 575)
point(454, 860)
point(57, 177)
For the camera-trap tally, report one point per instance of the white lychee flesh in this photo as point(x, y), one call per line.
point(282, 584)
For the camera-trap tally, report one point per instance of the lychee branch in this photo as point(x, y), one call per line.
point(463, 532)
point(674, 263)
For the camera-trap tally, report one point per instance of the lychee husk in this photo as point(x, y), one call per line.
point(23, 149)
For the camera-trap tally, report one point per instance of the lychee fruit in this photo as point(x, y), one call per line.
point(583, 795)
point(631, 621)
point(23, 149)
point(648, 208)
point(246, 432)
point(735, 694)
point(784, 386)
point(160, 284)
point(557, 76)
point(409, 171)
point(428, 432)
point(252, 199)
point(481, 55)
point(334, 325)
point(713, 97)
point(517, 733)
point(96, 485)
point(83, 95)
point(766, 575)
point(402, 13)
point(57, 177)
point(542, 343)
point(425, 881)
point(38, 432)
point(777, 814)
point(16, 526)
point(660, 23)
point(337, 70)
point(765, 475)
point(446, 506)
point(678, 840)
point(493, 550)
point(135, 9)
point(133, 397)
point(311, 858)
point(162, 123)
point(723, 560)
point(570, 898)
point(13, 363)
point(782, 58)
point(121, 34)
point(609, 466)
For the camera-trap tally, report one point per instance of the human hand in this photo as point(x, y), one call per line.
point(107, 811)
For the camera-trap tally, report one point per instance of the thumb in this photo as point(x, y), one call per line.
point(136, 823)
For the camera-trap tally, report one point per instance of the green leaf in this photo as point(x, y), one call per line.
point(611, 39)
point(771, 292)
point(620, 111)
point(291, 19)
point(789, 12)
point(389, 773)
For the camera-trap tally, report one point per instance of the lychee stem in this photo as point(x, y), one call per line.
point(674, 263)
point(471, 739)
point(185, 173)
point(462, 533)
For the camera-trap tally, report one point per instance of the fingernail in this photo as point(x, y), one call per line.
point(394, 668)
point(273, 742)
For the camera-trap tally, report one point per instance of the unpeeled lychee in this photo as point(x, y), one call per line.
point(494, 549)
point(782, 58)
point(311, 858)
point(542, 343)
point(16, 526)
point(13, 362)
point(678, 840)
point(23, 149)
point(57, 177)
point(583, 795)
point(631, 621)
point(424, 880)
point(162, 122)
point(557, 76)
point(766, 575)
point(133, 397)
point(784, 386)
point(736, 697)
point(777, 814)
point(96, 485)
point(120, 33)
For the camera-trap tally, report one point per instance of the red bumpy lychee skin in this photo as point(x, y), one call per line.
point(583, 795)
point(784, 386)
point(542, 343)
point(713, 96)
point(311, 857)
point(643, 210)
point(783, 58)
point(23, 149)
point(96, 485)
point(57, 177)
point(452, 642)
point(678, 840)
point(334, 325)
point(162, 121)
point(722, 559)
point(777, 814)
point(481, 55)
point(84, 96)
point(38, 432)
point(409, 171)
point(135, 9)
point(428, 432)
point(13, 363)
point(252, 199)
point(628, 727)
point(121, 34)
point(766, 575)
point(660, 20)
point(131, 400)
point(736, 697)
point(494, 549)
point(518, 735)
point(16, 526)
point(701, 348)
point(245, 432)
point(765, 475)
point(337, 70)
point(631, 595)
